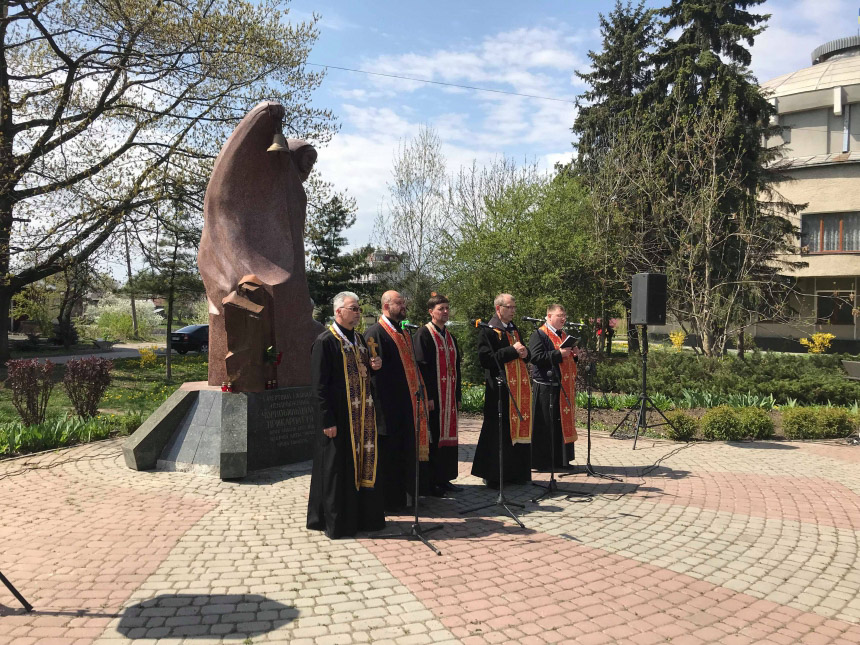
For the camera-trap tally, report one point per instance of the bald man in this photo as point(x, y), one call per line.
point(395, 386)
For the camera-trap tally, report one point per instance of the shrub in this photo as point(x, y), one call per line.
point(833, 423)
point(86, 380)
point(722, 423)
point(148, 357)
point(811, 379)
point(683, 426)
point(755, 423)
point(111, 319)
point(799, 423)
point(473, 399)
point(818, 343)
point(678, 338)
point(31, 383)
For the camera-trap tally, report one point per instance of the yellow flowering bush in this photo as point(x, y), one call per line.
point(678, 338)
point(148, 358)
point(818, 343)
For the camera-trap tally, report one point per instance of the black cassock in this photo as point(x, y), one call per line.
point(395, 421)
point(544, 359)
point(517, 457)
point(334, 505)
point(443, 461)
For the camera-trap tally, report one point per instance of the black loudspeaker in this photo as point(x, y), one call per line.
point(649, 299)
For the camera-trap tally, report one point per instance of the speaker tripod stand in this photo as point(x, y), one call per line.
point(11, 587)
point(642, 405)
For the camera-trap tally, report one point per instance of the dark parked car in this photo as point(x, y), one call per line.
point(191, 338)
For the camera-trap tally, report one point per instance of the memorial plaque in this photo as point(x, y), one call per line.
point(282, 426)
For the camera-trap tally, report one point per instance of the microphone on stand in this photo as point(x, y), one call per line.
point(534, 320)
point(574, 325)
point(406, 325)
point(479, 323)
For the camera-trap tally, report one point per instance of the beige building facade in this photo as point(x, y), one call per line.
point(819, 107)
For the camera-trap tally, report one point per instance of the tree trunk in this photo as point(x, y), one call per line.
point(170, 296)
point(131, 293)
point(741, 344)
point(6, 293)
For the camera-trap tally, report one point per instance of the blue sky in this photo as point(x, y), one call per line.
point(527, 48)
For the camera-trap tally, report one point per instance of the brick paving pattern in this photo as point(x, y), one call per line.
point(701, 543)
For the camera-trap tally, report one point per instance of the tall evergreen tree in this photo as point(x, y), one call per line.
point(734, 235)
point(620, 71)
point(330, 270)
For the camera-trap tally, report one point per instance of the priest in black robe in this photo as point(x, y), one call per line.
point(438, 357)
point(345, 496)
point(549, 367)
point(501, 342)
point(399, 411)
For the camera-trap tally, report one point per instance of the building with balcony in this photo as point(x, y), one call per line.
point(819, 107)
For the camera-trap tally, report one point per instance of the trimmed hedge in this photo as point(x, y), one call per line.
point(817, 423)
point(806, 379)
point(683, 426)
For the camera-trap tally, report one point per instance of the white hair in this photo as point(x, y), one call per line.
point(339, 299)
point(501, 298)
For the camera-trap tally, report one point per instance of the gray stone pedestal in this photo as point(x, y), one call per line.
point(201, 429)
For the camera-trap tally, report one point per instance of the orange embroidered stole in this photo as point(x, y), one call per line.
point(568, 380)
point(520, 386)
point(446, 385)
point(413, 378)
point(362, 417)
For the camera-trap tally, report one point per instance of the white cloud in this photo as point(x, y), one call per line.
point(473, 126)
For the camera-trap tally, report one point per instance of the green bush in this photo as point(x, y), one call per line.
point(833, 423)
point(755, 422)
point(473, 399)
point(799, 423)
point(811, 380)
point(683, 426)
point(722, 424)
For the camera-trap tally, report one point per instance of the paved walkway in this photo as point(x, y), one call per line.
point(706, 543)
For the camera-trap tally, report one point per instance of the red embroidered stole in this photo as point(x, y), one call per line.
point(413, 377)
point(446, 385)
point(568, 379)
point(517, 375)
point(362, 417)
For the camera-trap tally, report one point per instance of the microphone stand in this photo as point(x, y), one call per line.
point(501, 500)
point(589, 470)
point(416, 531)
point(27, 606)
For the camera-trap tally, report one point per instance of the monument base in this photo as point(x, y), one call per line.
point(201, 429)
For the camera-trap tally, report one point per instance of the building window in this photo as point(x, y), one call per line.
point(830, 233)
point(834, 308)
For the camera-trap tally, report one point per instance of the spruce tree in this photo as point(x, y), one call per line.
point(620, 71)
point(330, 270)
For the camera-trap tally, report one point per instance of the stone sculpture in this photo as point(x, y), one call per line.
point(254, 219)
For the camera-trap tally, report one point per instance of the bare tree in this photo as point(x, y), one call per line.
point(415, 216)
point(722, 264)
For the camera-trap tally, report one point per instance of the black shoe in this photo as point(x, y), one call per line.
point(452, 487)
point(437, 491)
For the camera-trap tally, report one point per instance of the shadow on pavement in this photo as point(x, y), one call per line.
point(761, 445)
point(237, 616)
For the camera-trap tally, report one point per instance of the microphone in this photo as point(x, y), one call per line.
point(479, 323)
point(406, 325)
point(534, 320)
point(574, 325)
